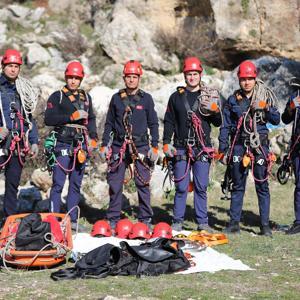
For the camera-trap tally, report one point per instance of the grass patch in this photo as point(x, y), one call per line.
point(245, 6)
point(276, 261)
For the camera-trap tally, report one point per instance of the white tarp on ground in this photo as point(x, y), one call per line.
point(207, 260)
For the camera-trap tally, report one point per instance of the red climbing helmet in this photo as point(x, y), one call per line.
point(139, 230)
point(123, 228)
point(192, 64)
point(247, 69)
point(74, 68)
point(163, 230)
point(133, 67)
point(101, 228)
point(12, 56)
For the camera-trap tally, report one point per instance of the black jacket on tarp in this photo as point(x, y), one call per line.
point(161, 256)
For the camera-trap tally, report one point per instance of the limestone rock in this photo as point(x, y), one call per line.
point(37, 54)
point(41, 179)
point(128, 37)
point(3, 37)
point(19, 11)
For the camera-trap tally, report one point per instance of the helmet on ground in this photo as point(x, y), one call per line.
point(247, 69)
point(133, 67)
point(123, 228)
point(74, 68)
point(12, 56)
point(101, 228)
point(163, 230)
point(139, 230)
point(192, 64)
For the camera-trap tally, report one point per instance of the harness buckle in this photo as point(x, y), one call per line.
point(2, 152)
point(64, 152)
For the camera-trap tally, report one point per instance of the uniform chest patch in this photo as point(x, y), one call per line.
point(140, 107)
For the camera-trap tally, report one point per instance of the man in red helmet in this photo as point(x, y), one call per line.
point(131, 117)
point(246, 114)
point(70, 111)
point(190, 112)
point(17, 128)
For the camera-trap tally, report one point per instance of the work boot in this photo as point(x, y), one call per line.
point(205, 227)
point(294, 229)
point(177, 226)
point(266, 230)
point(233, 227)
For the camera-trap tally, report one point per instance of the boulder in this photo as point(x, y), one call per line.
point(41, 180)
point(37, 54)
point(3, 37)
point(101, 96)
point(59, 6)
point(19, 11)
point(36, 14)
point(156, 183)
point(48, 80)
point(126, 26)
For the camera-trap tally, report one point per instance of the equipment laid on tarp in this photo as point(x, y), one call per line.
point(159, 256)
point(35, 240)
point(201, 257)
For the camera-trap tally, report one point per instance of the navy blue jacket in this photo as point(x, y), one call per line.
point(9, 94)
point(176, 120)
point(287, 118)
point(233, 110)
point(144, 117)
point(59, 110)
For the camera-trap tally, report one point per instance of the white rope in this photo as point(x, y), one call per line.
point(28, 94)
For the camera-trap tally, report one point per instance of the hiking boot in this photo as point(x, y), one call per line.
point(75, 225)
point(177, 226)
point(205, 227)
point(233, 227)
point(266, 230)
point(294, 229)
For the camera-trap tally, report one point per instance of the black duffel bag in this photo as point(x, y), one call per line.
point(31, 233)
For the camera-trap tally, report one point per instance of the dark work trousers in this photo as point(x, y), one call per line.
point(12, 172)
point(59, 178)
point(239, 177)
point(296, 165)
point(200, 171)
point(115, 179)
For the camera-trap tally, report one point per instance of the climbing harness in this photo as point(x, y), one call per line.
point(80, 137)
point(285, 170)
point(16, 142)
point(253, 142)
point(76, 150)
point(196, 135)
point(114, 161)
